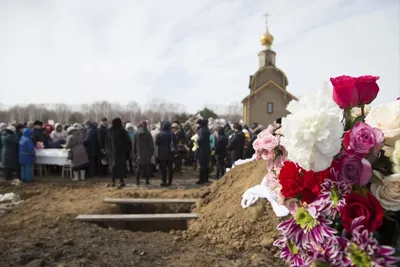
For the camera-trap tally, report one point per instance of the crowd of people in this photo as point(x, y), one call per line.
point(122, 148)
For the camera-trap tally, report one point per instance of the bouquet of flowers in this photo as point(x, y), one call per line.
point(338, 175)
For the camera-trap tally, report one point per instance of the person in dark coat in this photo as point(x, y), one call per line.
point(204, 150)
point(220, 152)
point(92, 148)
point(166, 141)
point(39, 135)
point(3, 126)
point(236, 143)
point(19, 129)
point(189, 157)
point(228, 130)
point(255, 132)
point(116, 146)
point(9, 153)
point(101, 137)
point(143, 150)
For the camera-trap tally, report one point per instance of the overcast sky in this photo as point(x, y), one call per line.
point(194, 52)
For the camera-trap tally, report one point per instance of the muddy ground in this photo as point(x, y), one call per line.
point(41, 231)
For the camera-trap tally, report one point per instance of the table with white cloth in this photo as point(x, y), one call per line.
point(52, 156)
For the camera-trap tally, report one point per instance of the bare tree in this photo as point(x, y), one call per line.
point(155, 110)
point(96, 108)
point(234, 112)
point(31, 108)
point(59, 110)
point(133, 110)
point(86, 110)
point(106, 109)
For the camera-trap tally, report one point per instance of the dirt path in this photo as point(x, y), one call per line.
point(41, 231)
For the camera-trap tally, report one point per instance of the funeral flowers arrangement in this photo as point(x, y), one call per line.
point(338, 175)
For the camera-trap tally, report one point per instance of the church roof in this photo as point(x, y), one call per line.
point(269, 67)
point(265, 86)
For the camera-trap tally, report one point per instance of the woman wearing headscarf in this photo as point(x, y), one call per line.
point(48, 129)
point(116, 146)
point(9, 153)
point(58, 133)
point(143, 149)
point(79, 157)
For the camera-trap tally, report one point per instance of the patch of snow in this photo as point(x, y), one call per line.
point(8, 201)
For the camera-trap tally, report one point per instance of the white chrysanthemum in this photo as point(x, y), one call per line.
point(312, 132)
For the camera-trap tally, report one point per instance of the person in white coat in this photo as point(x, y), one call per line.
point(58, 133)
point(154, 158)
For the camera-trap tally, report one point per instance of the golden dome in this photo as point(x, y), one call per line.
point(267, 38)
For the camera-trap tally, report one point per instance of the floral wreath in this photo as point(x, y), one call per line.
point(334, 167)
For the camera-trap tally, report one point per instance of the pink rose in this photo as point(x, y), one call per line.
point(345, 93)
point(257, 144)
point(269, 142)
point(354, 169)
point(367, 89)
point(363, 138)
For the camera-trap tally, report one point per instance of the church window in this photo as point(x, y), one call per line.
point(270, 107)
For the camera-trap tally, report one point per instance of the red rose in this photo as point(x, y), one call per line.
point(358, 205)
point(345, 93)
point(297, 182)
point(367, 89)
point(346, 140)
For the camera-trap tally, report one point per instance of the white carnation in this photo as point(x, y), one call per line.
point(312, 132)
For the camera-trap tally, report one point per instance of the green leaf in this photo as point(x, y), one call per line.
point(383, 164)
point(376, 179)
point(358, 119)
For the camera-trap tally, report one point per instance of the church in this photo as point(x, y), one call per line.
point(268, 97)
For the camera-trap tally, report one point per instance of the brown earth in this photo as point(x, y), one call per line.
point(41, 231)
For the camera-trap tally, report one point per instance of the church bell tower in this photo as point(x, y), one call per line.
point(267, 56)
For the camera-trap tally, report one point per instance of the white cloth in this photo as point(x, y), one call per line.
point(52, 156)
point(260, 191)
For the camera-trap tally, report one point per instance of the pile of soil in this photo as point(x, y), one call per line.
point(42, 231)
point(225, 224)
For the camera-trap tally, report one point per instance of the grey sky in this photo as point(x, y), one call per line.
point(193, 52)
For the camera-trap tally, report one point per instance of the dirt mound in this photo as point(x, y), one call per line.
point(226, 224)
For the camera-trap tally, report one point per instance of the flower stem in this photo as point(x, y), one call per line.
point(348, 119)
point(363, 113)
